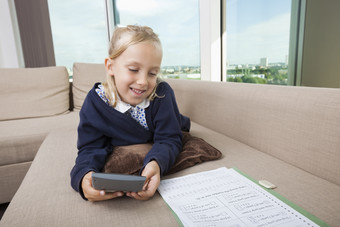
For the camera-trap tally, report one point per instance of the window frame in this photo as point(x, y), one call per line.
point(211, 40)
point(297, 27)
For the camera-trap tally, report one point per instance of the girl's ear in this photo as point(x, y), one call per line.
point(108, 66)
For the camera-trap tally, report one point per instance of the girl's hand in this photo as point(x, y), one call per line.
point(153, 179)
point(96, 195)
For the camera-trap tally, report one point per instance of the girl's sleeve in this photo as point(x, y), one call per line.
point(93, 148)
point(167, 124)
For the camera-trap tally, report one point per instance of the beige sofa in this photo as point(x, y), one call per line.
point(35, 102)
point(287, 135)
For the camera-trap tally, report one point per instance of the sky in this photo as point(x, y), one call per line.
point(79, 31)
point(255, 29)
point(175, 21)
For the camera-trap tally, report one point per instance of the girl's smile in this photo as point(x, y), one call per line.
point(137, 92)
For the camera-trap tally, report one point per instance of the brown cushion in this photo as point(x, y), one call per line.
point(129, 159)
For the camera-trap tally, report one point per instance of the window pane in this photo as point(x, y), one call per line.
point(258, 41)
point(177, 24)
point(79, 31)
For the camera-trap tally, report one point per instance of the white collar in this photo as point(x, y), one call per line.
point(122, 106)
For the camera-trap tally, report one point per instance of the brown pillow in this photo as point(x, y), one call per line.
point(129, 159)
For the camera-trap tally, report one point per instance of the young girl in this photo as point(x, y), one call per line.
point(132, 107)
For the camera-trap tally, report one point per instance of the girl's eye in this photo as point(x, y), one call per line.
point(133, 70)
point(153, 73)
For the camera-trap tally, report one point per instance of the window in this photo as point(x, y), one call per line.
point(177, 24)
point(79, 31)
point(258, 41)
point(257, 35)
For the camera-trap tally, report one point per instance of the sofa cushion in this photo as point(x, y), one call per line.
point(299, 125)
point(36, 202)
point(21, 139)
point(33, 92)
point(85, 75)
point(11, 177)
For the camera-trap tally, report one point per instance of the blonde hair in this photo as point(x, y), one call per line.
point(122, 38)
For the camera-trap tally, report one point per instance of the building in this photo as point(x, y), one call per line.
point(264, 62)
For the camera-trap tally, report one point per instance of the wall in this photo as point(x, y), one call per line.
point(35, 33)
point(10, 47)
point(321, 50)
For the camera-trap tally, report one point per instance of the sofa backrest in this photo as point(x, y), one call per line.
point(85, 75)
point(299, 125)
point(33, 92)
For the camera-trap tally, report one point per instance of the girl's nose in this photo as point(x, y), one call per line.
point(142, 79)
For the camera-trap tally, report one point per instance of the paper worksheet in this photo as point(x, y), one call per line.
point(223, 197)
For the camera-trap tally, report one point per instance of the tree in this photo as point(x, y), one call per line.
point(254, 80)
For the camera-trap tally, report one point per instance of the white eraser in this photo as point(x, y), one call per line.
point(267, 184)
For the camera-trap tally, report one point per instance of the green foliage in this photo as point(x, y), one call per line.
point(272, 75)
point(236, 79)
point(253, 80)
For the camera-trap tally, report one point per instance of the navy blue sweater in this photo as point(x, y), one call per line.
point(101, 128)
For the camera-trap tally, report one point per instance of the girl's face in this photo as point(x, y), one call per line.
point(135, 71)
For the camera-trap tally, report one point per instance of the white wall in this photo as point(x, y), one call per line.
point(321, 50)
point(10, 47)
